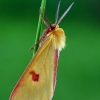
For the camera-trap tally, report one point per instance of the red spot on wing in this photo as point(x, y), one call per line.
point(35, 77)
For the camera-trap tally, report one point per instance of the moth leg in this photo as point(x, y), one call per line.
point(34, 46)
point(47, 18)
point(39, 41)
point(43, 18)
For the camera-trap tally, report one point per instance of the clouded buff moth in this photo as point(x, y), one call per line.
point(39, 79)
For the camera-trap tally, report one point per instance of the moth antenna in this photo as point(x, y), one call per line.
point(65, 13)
point(57, 13)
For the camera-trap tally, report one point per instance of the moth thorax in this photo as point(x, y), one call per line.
point(59, 38)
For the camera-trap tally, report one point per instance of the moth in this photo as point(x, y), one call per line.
point(39, 79)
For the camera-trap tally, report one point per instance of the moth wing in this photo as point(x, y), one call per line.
point(42, 64)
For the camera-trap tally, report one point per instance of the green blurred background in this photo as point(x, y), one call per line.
point(78, 76)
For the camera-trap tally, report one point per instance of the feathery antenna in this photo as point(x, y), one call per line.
point(57, 13)
point(65, 13)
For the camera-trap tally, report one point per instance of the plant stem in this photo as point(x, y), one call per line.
point(39, 27)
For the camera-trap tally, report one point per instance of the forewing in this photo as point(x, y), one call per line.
point(37, 81)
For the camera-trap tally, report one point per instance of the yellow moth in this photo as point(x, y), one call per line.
point(39, 79)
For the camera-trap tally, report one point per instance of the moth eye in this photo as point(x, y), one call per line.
point(52, 27)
